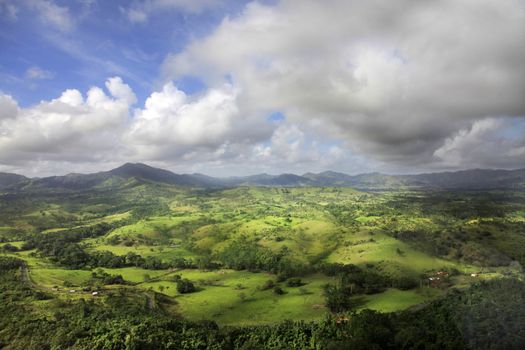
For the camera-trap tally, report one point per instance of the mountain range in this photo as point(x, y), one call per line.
point(467, 179)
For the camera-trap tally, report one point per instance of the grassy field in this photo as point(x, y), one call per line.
point(365, 247)
point(401, 234)
point(49, 277)
point(395, 299)
point(235, 297)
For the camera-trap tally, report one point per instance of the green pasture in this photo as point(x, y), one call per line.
point(49, 277)
point(394, 299)
point(365, 247)
point(234, 297)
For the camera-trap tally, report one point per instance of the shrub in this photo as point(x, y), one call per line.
point(294, 282)
point(405, 283)
point(278, 290)
point(269, 284)
point(185, 286)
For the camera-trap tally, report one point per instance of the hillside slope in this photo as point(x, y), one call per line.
point(476, 179)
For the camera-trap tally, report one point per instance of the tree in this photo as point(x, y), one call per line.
point(337, 298)
point(185, 286)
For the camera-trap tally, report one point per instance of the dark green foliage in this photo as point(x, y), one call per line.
point(364, 281)
point(245, 254)
point(294, 282)
point(145, 211)
point(338, 269)
point(278, 290)
point(63, 248)
point(8, 263)
point(488, 316)
point(269, 284)
point(406, 282)
point(184, 286)
point(106, 278)
point(338, 298)
point(9, 248)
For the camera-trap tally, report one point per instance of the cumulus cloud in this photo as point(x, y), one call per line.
point(121, 91)
point(487, 142)
point(173, 125)
point(185, 133)
point(70, 128)
point(8, 107)
point(205, 132)
point(393, 80)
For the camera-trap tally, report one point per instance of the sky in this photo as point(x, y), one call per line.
point(244, 87)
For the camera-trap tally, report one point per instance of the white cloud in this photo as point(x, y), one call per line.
point(171, 121)
point(38, 73)
point(8, 107)
point(458, 149)
point(140, 11)
point(52, 14)
point(119, 90)
point(70, 128)
point(392, 80)
point(492, 142)
point(375, 85)
point(203, 133)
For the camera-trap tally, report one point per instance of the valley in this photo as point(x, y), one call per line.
point(254, 256)
point(239, 247)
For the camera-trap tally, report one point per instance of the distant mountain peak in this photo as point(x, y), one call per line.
point(146, 172)
point(132, 166)
point(481, 179)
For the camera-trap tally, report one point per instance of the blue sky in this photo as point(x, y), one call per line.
point(244, 87)
point(101, 42)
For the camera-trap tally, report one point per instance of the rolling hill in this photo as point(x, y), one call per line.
point(8, 179)
point(476, 179)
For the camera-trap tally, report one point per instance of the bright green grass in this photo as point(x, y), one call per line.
point(49, 277)
point(180, 207)
point(112, 218)
point(367, 219)
point(395, 299)
point(32, 261)
point(135, 274)
point(385, 249)
point(220, 297)
point(91, 222)
point(5, 229)
point(150, 227)
point(17, 244)
point(56, 229)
